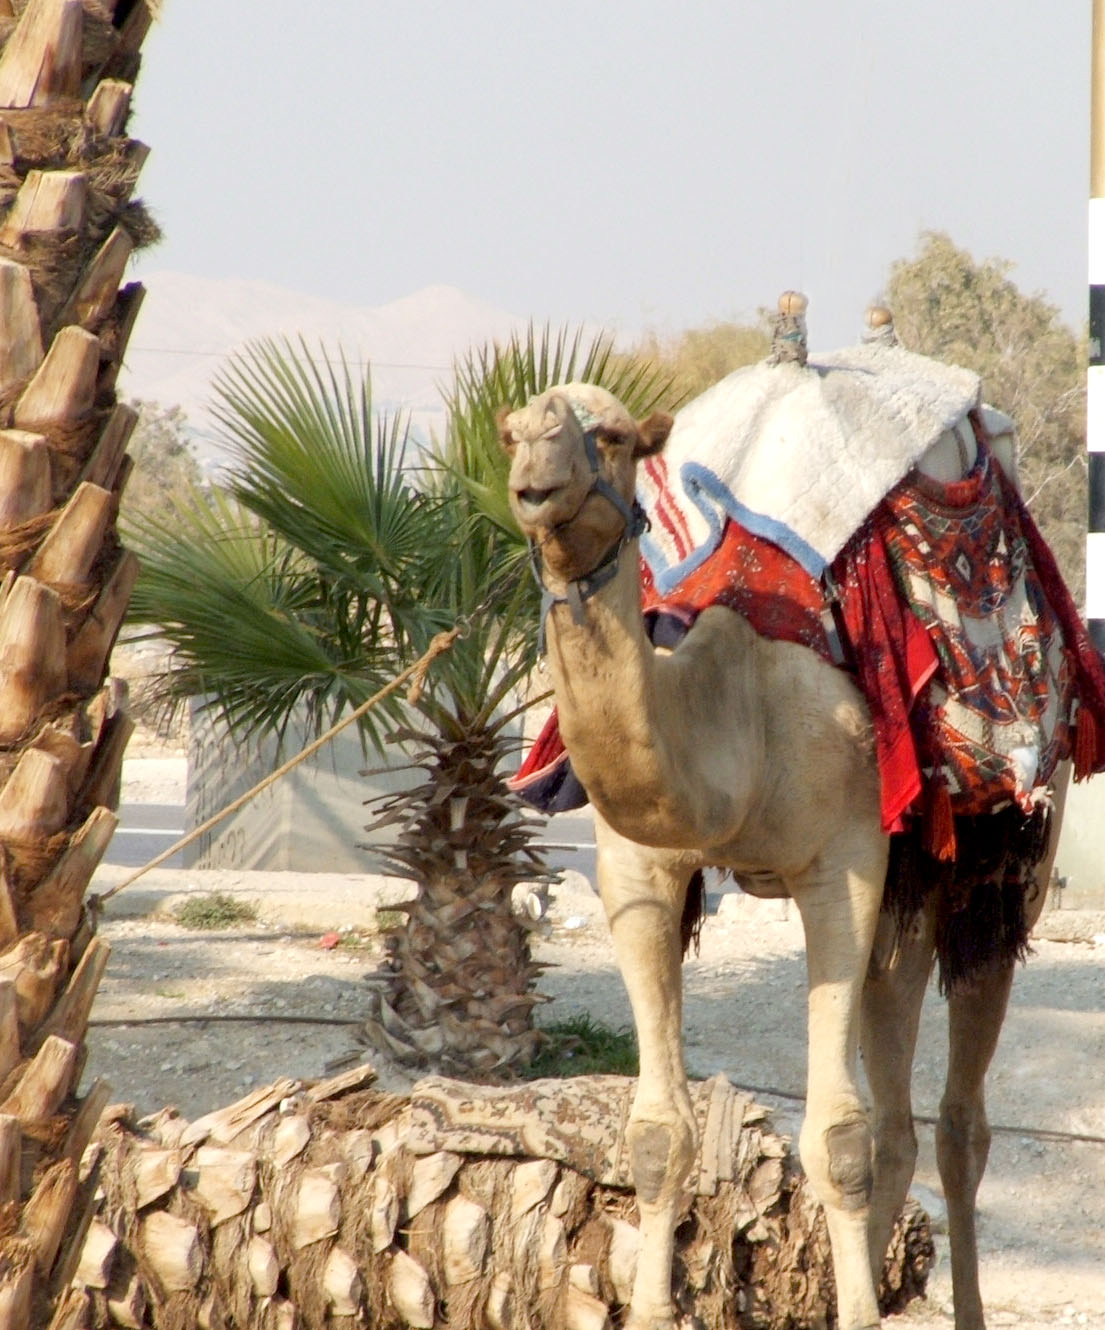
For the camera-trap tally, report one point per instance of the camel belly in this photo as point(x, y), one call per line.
point(764, 886)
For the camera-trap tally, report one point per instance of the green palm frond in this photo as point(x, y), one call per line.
point(252, 631)
point(310, 458)
point(340, 549)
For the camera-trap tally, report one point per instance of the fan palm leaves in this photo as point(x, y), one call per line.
point(337, 548)
point(296, 584)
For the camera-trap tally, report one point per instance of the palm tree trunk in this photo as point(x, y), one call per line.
point(457, 989)
point(67, 227)
point(301, 1206)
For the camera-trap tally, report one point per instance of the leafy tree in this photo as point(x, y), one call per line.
point(164, 463)
point(323, 570)
point(948, 305)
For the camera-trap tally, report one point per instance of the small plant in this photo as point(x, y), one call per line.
point(387, 921)
point(580, 1046)
point(356, 940)
point(216, 910)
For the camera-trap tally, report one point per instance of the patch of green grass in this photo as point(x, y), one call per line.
point(355, 940)
point(387, 921)
point(217, 910)
point(581, 1046)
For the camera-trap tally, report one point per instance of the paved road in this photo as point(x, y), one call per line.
point(146, 830)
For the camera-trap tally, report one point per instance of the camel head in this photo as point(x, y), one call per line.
point(573, 462)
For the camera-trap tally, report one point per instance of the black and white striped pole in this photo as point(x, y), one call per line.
point(1095, 381)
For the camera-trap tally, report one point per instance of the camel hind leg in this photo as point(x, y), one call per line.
point(963, 1132)
point(975, 1018)
point(643, 892)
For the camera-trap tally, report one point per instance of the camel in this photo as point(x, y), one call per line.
point(755, 756)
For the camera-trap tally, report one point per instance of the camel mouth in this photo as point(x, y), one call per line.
point(532, 500)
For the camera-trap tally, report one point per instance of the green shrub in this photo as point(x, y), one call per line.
point(217, 910)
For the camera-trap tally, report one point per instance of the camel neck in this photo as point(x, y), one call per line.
point(579, 590)
point(609, 682)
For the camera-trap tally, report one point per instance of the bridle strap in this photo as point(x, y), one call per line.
point(600, 485)
point(581, 589)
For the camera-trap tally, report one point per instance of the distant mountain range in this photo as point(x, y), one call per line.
point(189, 325)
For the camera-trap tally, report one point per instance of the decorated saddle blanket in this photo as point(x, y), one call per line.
point(947, 605)
point(798, 455)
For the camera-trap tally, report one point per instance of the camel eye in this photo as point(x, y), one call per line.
point(614, 437)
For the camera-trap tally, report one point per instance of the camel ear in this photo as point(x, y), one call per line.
point(506, 434)
point(652, 434)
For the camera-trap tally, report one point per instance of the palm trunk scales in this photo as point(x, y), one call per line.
point(306, 1207)
point(68, 225)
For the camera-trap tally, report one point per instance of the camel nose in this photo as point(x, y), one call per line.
point(531, 497)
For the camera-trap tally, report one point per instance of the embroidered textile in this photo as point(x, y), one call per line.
point(580, 1122)
point(994, 721)
point(757, 579)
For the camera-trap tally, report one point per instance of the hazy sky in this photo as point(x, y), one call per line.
point(653, 163)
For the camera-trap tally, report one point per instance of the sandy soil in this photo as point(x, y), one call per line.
point(196, 1019)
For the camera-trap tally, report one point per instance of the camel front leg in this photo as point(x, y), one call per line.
point(642, 893)
point(840, 910)
point(891, 1015)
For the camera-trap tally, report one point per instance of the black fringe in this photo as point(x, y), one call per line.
point(694, 913)
point(980, 896)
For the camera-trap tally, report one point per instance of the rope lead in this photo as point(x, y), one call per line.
point(416, 673)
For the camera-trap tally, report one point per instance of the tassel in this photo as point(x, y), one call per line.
point(1086, 744)
point(939, 821)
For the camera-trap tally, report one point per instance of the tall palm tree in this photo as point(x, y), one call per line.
point(68, 224)
point(336, 552)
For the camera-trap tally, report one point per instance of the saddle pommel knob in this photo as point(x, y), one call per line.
point(880, 326)
point(793, 303)
point(788, 341)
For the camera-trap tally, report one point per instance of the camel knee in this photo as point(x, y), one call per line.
point(850, 1171)
point(838, 1163)
point(895, 1152)
point(962, 1145)
point(660, 1154)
